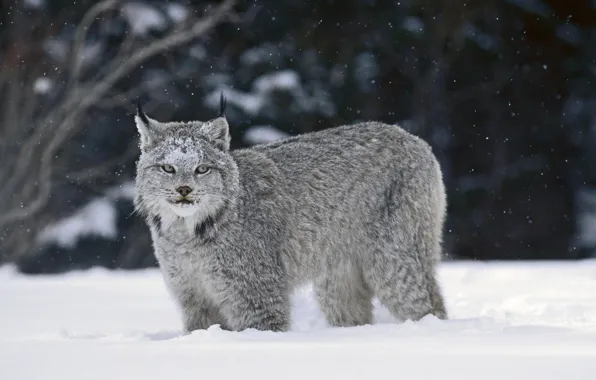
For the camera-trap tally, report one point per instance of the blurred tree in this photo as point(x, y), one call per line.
point(52, 78)
point(502, 90)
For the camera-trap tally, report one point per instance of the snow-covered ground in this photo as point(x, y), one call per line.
point(508, 321)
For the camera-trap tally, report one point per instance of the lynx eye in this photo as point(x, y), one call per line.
point(168, 168)
point(202, 169)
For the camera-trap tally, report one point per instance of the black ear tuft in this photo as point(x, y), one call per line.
point(222, 105)
point(141, 114)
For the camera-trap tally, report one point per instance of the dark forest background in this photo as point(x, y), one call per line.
point(503, 91)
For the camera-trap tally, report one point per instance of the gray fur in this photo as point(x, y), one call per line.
point(356, 210)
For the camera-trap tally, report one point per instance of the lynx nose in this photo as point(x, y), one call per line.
point(184, 190)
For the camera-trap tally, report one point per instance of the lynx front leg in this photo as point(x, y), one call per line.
point(247, 311)
point(257, 304)
point(199, 314)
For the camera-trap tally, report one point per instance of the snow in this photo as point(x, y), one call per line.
point(56, 48)
point(42, 85)
point(413, 24)
point(366, 70)
point(262, 134)
point(35, 3)
point(264, 90)
point(252, 103)
point(247, 102)
point(508, 321)
point(177, 12)
point(280, 80)
point(143, 18)
point(59, 49)
point(96, 218)
point(126, 190)
point(198, 52)
point(266, 53)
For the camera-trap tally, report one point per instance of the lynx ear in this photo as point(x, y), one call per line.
point(148, 128)
point(218, 129)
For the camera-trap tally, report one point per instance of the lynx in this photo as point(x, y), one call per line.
point(357, 211)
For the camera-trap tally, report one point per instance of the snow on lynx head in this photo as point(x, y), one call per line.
point(185, 169)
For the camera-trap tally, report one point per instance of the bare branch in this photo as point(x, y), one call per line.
point(121, 69)
point(44, 180)
point(60, 123)
point(80, 36)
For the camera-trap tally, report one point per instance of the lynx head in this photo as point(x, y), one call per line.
point(185, 169)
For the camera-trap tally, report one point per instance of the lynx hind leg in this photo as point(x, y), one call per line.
point(407, 289)
point(344, 297)
point(436, 298)
point(403, 266)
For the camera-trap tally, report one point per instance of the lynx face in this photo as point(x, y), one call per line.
point(184, 168)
